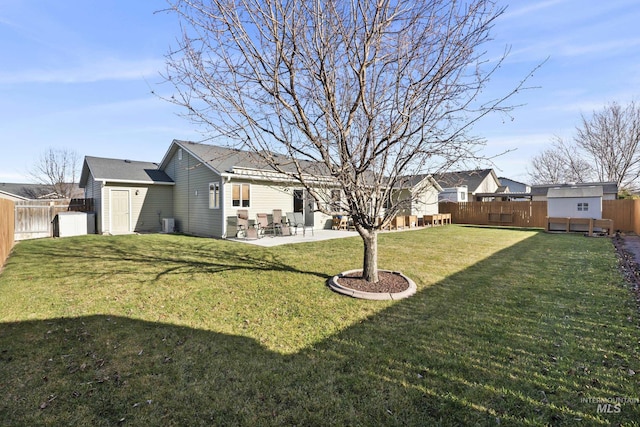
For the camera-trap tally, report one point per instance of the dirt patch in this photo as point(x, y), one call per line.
point(388, 283)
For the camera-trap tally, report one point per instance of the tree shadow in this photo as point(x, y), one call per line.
point(447, 356)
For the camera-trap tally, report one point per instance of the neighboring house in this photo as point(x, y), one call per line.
point(482, 184)
point(128, 195)
point(420, 193)
point(454, 194)
point(515, 186)
point(609, 189)
point(517, 190)
point(17, 192)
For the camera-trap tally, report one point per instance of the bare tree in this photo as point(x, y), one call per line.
point(560, 163)
point(57, 168)
point(372, 91)
point(611, 140)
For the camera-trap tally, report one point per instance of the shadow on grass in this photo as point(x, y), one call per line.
point(202, 255)
point(467, 351)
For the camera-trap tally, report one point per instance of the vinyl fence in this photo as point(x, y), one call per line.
point(624, 213)
point(34, 218)
point(6, 229)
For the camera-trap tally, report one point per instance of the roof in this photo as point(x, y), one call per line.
point(607, 187)
point(29, 191)
point(229, 160)
point(472, 179)
point(410, 181)
point(119, 170)
point(575, 192)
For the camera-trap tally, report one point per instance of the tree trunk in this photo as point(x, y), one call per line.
point(370, 264)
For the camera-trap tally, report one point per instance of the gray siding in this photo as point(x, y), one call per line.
point(191, 196)
point(93, 190)
point(150, 205)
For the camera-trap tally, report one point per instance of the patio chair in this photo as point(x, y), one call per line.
point(242, 221)
point(296, 219)
point(291, 219)
point(276, 223)
point(262, 223)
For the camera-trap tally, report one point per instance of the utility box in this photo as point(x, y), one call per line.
point(168, 225)
point(66, 224)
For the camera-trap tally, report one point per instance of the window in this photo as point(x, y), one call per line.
point(463, 196)
point(240, 195)
point(179, 153)
point(583, 207)
point(214, 195)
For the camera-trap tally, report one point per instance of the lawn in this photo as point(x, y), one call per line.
point(509, 327)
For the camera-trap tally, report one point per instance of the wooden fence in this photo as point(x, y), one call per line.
point(34, 218)
point(624, 213)
point(515, 214)
point(6, 229)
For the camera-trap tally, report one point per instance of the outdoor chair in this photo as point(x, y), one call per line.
point(291, 219)
point(276, 223)
point(242, 221)
point(296, 219)
point(262, 223)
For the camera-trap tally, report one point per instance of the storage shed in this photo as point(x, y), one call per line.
point(568, 208)
point(575, 202)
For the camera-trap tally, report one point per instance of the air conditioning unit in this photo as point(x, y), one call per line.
point(168, 225)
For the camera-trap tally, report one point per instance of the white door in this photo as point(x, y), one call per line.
point(120, 211)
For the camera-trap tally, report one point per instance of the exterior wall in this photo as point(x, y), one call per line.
point(426, 203)
point(263, 198)
point(93, 190)
point(488, 185)
point(146, 208)
point(150, 205)
point(191, 196)
point(568, 207)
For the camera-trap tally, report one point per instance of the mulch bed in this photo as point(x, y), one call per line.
point(388, 283)
point(629, 267)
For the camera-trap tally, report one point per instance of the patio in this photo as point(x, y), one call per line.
point(270, 241)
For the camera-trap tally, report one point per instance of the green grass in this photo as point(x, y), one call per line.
point(509, 327)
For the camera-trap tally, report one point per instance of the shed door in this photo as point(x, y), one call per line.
point(119, 211)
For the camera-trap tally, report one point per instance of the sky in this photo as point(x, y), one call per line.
point(78, 75)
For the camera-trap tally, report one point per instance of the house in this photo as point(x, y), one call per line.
point(212, 183)
point(609, 189)
point(481, 184)
point(420, 192)
point(200, 188)
point(128, 195)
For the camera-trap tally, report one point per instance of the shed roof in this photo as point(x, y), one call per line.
point(120, 170)
point(575, 192)
point(607, 187)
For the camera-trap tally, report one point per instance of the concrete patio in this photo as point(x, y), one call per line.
point(269, 241)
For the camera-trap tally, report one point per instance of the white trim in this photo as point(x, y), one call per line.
point(128, 181)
